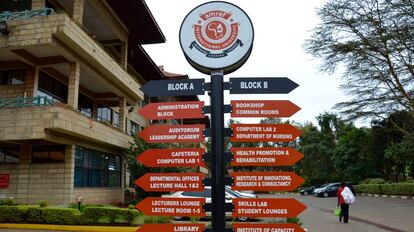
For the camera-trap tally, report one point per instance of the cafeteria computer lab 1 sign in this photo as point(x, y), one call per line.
point(217, 36)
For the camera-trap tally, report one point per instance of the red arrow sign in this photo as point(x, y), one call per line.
point(266, 181)
point(264, 133)
point(267, 207)
point(265, 156)
point(166, 182)
point(173, 134)
point(185, 207)
point(243, 227)
point(171, 228)
point(263, 108)
point(181, 157)
point(173, 110)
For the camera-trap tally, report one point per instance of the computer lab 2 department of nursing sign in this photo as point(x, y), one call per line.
point(217, 36)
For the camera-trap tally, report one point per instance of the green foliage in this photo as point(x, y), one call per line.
point(373, 181)
point(404, 189)
point(13, 214)
point(7, 202)
point(294, 220)
point(131, 207)
point(43, 203)
point(98, 215)
point(63, 216)
point(157, 220)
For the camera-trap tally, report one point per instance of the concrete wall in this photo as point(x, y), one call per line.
point(100, 195)
point(31, 183)
point(11, 91)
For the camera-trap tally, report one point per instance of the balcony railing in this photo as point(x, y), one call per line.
point(8, 15)
point(26, 102)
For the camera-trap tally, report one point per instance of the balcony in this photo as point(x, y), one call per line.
point(54, 41)
point(39, 118)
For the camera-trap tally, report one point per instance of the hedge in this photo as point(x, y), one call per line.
point(402, 189)
point(67, 216)
point(108, 215)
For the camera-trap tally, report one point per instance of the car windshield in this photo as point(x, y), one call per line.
point(206, 193)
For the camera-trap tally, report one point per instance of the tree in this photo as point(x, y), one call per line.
point(374, 40)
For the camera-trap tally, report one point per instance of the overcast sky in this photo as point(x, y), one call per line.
point(281, 28)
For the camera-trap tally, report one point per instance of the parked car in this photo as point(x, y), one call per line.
point(230, 194)
point(330, 190)
point(245, 194)
point(320, 187)
point(308, 190)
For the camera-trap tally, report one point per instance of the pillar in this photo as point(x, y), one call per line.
point(124, 56)
point(78, 7)
point(69, 177)
point(31, 81)
point(73, 85)
point(122, 113)
point(38, 4)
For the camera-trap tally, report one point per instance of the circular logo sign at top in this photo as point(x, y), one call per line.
point(217, 36)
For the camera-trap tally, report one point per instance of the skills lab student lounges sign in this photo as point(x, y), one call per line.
point(217, 39)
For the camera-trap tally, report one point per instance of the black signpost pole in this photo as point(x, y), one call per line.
point(217, 145)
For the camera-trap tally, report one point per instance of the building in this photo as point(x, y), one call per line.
point(70, 73)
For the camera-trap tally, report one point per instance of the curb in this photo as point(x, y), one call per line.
point(387, 196)
point(68, 228)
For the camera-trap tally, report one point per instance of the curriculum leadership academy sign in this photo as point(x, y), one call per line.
point(216, 36)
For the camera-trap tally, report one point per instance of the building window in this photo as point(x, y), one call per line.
point(9, 155)
point(15, 5)
point(52, 88)
point(115, 119)
point(96, 169)
point(48, 154)
point(12, 77)
point(134, 128)
point(104, 114)
point(85, 105)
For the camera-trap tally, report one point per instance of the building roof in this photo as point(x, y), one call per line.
point(143, 29)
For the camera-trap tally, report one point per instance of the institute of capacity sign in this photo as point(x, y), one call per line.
point(279, 227)
point(267, 207)
point(184, 207)
point(264, 133)
point(266, 181)
point(264, 156)
point(166, 182)
point(173, 157)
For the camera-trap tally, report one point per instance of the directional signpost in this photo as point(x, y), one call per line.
point(264, 156)
point(185, 207)
point(217, 39)
point(279, 227)
point(165, 182)
point(173, 157)
point(263, 109)
point(264, 133)
point(173, 134)
point(267, 207)
point(173, 110)
point(161, 88)
point(266, 181)
point(262, 85)
point(171, 228)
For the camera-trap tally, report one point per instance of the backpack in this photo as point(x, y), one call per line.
point(348, 196)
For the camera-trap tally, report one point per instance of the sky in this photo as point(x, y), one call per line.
point(281, 28)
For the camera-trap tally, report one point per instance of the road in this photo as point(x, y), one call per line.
point(368, 214)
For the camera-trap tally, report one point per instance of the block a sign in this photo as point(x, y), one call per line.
point(217, 36)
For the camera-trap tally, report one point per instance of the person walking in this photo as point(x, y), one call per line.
point(341, 202)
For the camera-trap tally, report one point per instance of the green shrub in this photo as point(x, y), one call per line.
point(131, 207)
point(93, 215)
point(14, 214)
point(61, 216)
point(157, 220)
point(43, 203)
point(294, 220)
point(35, 215)
point(373, 181)
point(405, 189)
point(7, 202)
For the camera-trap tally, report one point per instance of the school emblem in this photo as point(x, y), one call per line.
point(216, 36)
